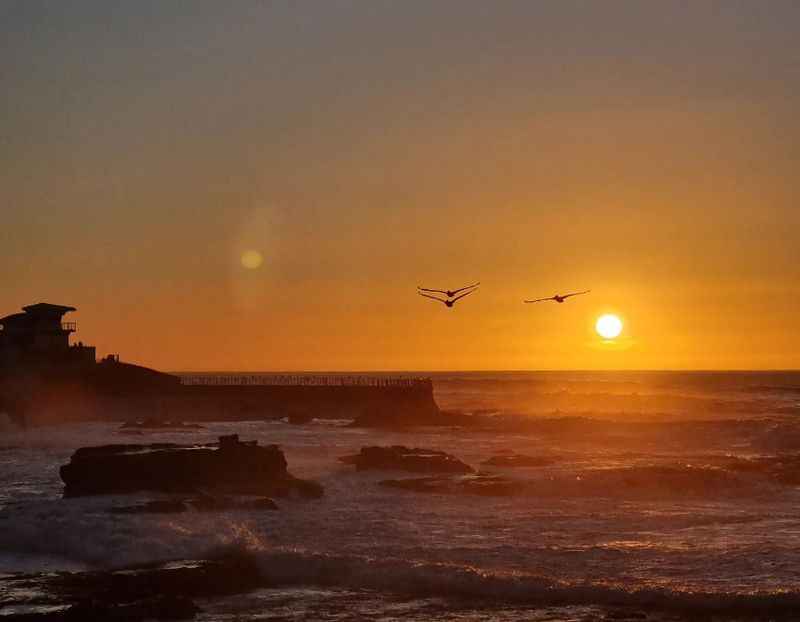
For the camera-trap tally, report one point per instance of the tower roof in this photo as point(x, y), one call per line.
point(46, 306)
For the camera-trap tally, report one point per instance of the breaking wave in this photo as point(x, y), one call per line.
point(424, 579)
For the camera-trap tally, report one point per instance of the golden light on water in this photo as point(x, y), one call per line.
point(608, 326)
point(252, 259)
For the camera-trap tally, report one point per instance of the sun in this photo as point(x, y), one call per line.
point(608, 326)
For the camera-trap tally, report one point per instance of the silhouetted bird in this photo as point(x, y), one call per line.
point(449, 292)
point(449, 303)
point(559, 299)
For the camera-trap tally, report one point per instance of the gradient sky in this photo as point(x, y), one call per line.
point(646, 150)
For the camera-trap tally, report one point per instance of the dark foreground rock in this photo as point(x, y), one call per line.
point(518, 460)
point(400, 458)
point(160, 592)
point(231, 466)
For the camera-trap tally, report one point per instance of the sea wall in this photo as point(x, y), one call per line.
point(120, 392)
point(226, 403)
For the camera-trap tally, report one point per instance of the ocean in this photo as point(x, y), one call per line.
point(667, 496)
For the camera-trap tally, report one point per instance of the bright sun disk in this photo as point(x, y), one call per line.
point(608, 326)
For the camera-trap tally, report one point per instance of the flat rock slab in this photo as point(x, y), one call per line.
point(400, 458)
point(231, 466)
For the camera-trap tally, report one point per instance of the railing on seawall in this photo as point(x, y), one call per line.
point(303, 380)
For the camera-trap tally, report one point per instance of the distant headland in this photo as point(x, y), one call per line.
point(46, 379)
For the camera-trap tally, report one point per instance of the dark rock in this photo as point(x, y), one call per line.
point(517, 460)
point(234, 467)
point(400, 458)
point(160, 592)
point(230, 574)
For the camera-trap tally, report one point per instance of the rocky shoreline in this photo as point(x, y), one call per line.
point(161, 592)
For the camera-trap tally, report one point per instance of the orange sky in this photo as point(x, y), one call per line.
point(648, 152)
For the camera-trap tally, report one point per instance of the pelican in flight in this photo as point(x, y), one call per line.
point(448, 292)
point(449, 303)
point(559, 299)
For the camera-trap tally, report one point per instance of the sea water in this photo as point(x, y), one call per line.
point(634, 536)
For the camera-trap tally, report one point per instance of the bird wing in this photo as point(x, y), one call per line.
point(462, 295)
point(455, 291)
point(437, 291)
point(431, 297)
point(577, 294)
point(538, 300)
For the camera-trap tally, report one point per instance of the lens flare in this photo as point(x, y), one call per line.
point(608, 326)
point(252, 259)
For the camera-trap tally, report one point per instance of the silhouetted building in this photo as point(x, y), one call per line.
point(45, 379)
point(39, 337)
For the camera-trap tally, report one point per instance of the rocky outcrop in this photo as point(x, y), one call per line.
point(230, 466)
point(400, 458)
point(134, 594)
point(517, 460)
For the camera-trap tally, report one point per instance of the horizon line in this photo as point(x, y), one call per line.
point(481, 371)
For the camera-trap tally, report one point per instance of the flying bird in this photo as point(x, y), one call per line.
point(448, 292)
point(449, 303)
point(559, 299)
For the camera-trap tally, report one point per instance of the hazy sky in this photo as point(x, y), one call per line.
point(646, 150)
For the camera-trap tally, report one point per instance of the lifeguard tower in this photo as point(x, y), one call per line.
point(39, 337)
